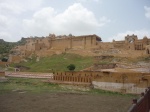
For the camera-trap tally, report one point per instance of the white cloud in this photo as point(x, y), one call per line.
point(147, 13)
point(11, 12)
point(6, 36)
point(76, 19)
point(3, 21)
point(104, 20)
point(88, 0)
point(139, 33)
point(18, 6)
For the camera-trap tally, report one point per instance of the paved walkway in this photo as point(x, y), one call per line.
point(29, 75)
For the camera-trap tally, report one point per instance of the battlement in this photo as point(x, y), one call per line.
point(51, 44)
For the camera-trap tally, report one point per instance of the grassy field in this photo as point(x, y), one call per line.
point(34, 95)
point(41, 85)
point(26, 84)
point(58, 63)
point(61, 61)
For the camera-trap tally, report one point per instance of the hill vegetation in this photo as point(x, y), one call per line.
point(5, 47)
point(57, 63)
point(62, 61)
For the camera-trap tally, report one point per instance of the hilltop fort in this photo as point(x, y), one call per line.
point(90, 45)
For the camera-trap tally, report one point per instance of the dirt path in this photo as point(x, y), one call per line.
point(29, 75)
point(62, 102)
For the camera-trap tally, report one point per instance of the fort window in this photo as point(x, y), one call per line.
point(131, 41)
point(148, 51)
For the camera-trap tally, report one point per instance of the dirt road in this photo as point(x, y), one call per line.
point(62, 102)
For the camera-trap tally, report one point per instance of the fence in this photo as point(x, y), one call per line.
point(86, 79)
point(142, 104)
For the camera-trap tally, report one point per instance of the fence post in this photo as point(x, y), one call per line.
point(143, 104)
point(134, 101)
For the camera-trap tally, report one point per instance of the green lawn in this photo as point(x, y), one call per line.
point(40, 85)
point(58, 63)
point(26, 84)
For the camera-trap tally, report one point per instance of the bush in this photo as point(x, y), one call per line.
point(4, 59)
point(71, 67)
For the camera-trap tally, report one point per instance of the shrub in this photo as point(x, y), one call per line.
point(71, 67)
point(4, 59)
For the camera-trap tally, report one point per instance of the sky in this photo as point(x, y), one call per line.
point(109, 19)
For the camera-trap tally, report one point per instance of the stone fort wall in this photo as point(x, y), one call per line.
point(44, 46)
point(121, 82)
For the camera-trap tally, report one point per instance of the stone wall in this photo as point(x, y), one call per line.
point(4, 63)
point(15, 58)
point(148, 49)
point(121, 82)
point(52, 44)
point(2, 74)
point(143, 103)
point(74, 76)
point(104, 66)
point(118, 87)
point(90, 44)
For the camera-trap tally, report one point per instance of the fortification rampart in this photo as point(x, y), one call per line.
point(90, 44)
point(113, 81)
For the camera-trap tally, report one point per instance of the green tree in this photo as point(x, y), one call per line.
point(4, 59)
point(71, 67)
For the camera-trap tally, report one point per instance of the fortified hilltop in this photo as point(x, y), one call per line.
point(90, 45)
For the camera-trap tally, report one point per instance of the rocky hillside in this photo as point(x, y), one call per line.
point(5, 47)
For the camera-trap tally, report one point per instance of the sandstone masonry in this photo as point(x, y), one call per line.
point(91, 45)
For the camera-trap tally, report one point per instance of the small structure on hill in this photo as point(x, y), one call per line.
point(2, 76)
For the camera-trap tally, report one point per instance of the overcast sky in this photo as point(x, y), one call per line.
point(109, 19)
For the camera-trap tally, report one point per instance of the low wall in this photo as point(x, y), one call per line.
point(2, 74)
point(112, 81)
point(85, 79)
point(104, 66)
point(4, 63)
point(118, 87)
point(142, 104)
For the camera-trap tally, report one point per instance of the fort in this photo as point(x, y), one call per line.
point(90, 45)
point(99, 76)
